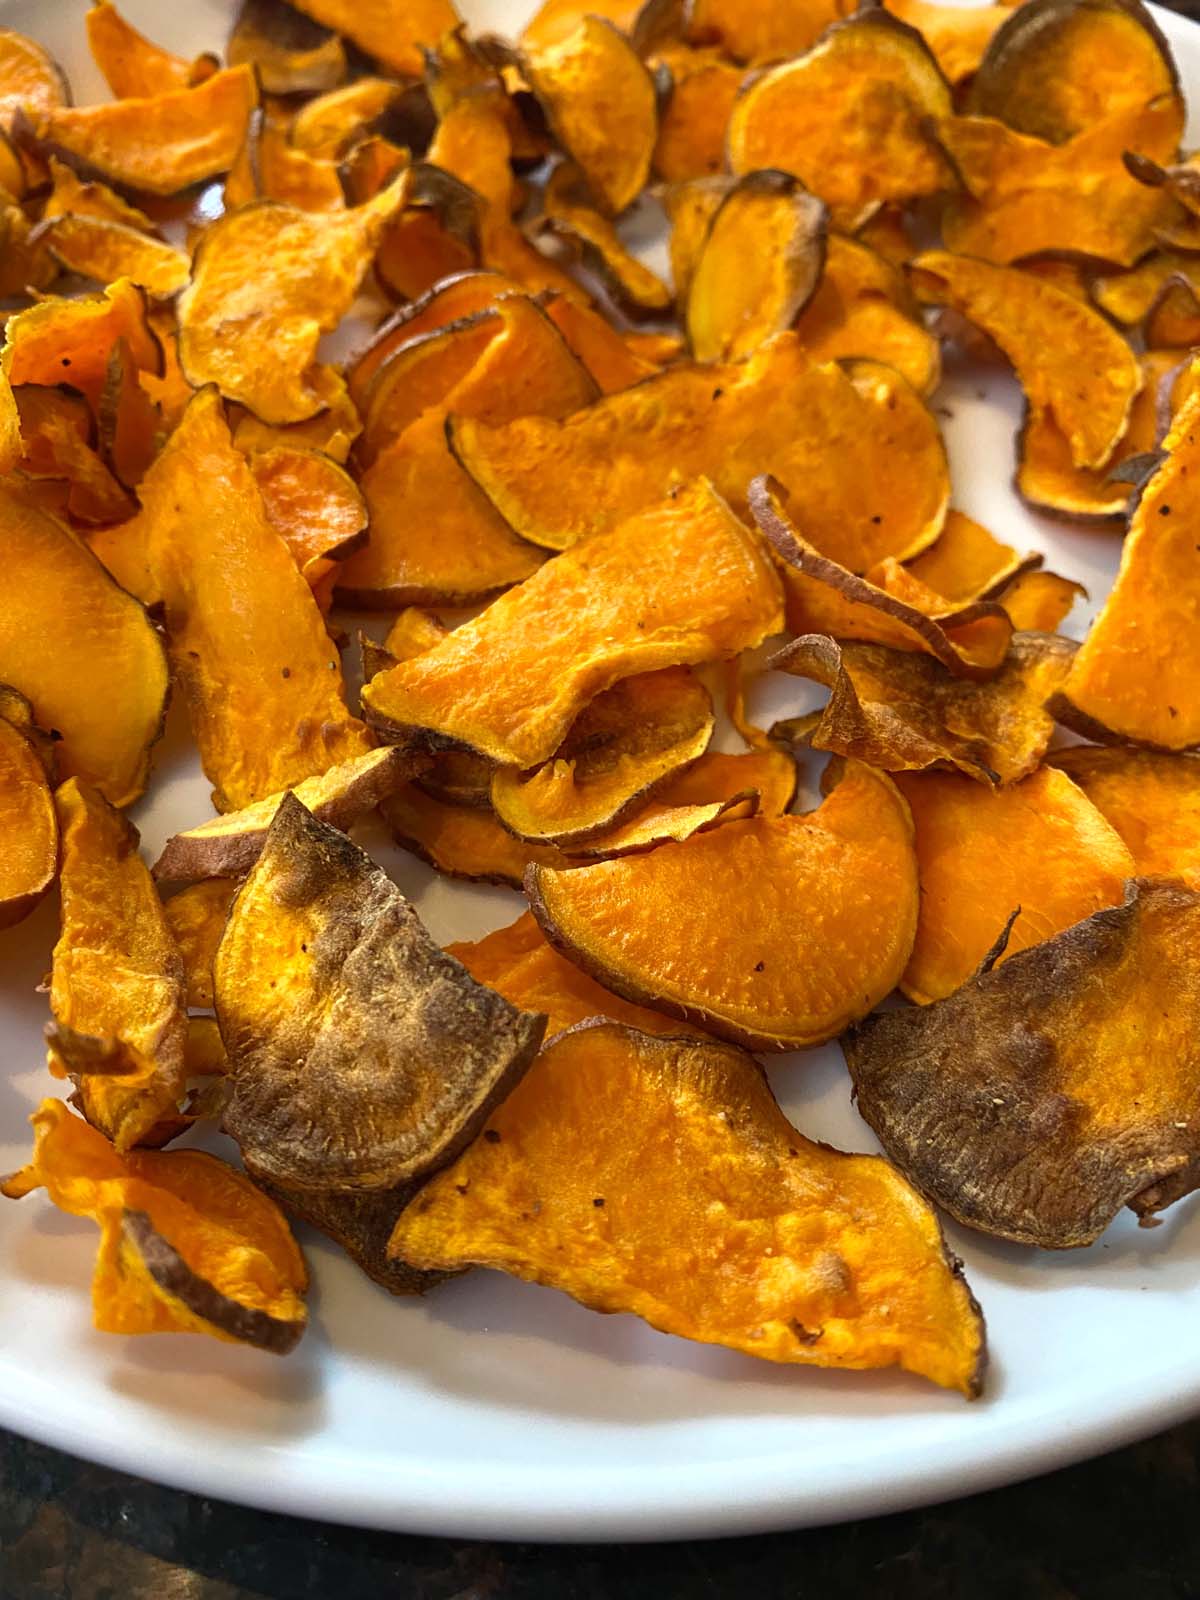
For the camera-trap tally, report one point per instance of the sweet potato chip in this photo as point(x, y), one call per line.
point(739, 297)
point(760, 30)
point(270, 167)
point(1137, 674)
point(228, 846)
point(958, 36)
point(378, 1058)
point(248, 645)
point(70, 341)
point(313, 504)
point(129, 424)
point(361, 1223)
point(681, 583)
point(436, 235)
point(823, 432)
point(1051, 339)
point(117, 985)
point(419, 374)
point(843, 884)
point(1039, 602)
point(620, 750)
point(82, 651)
point(904, 712)
point(58, 433)
point(462, 840)
point(1025, 196)
point(369, 166)
point(291, 53)
point(196, 917)
point(822, 597)
point(30, 79)
point(1058, 67)
point(332, 431)
point(553, 1196)
point(106, 251)
point(1053, 1090)
point(1158, 295)
point(1039, 846)
point(187, 1245)
point(132, 66)
point(1152, 800)
point(326, 125)
point(556, 20)
point(602, 350)
point(571, 218)
point(692, 123)
point(27, 815)
point(600, 102)
point(865, 88)
point(968, 562)
point(394, 37)
point(690, 208)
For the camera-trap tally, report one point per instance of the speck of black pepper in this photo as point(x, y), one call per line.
point(717, 393)
point(759, 966)
point(599, 1200)
point(287, 672)
point(1164, 511)
point(461, 1188)
point(877, 519)
point(491, 1136)
point(66, 361)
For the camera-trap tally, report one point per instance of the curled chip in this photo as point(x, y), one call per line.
point(248, 644)
point(436, 234)
point(1050, 338)
point(682, 583)
point(291, 53)
point(692, 123)
point(849, 117)
point(435, 538)
point(187, 1245)
point(1025, 196)
point(1137, 674)
point(823, 597)
point(27, 815)
point(255, 333)
point(1158, 295)
point(30, 79)
point(228, 846)
point(58, 433)
point(969, 563)
point(570, 217)
point(117, 985)
point(842, 884)
point(737, 297)
point(325, 126)
point(690, 208)
point(1058, 67)
point(608, 1175)
point(332, 432)
point(1151, 799)
point(393, 36)
point(103, 250)
point(903, 712)
point(824, 432)
point(1038, 602)
point(599, 99)
point(134, 67)
point(159, 144)
point(103, 685)
point(1053, 1090)
point(1038, 847)
point(958, 36)
point(377, 1058)
point(196, 917)
point(313, 504)
point(270, 167)
point(58, 339)
point(863, 307)
point(759, 30)
point(26, 262)
point(70, 196)
point(612, 363)
point(621, 749)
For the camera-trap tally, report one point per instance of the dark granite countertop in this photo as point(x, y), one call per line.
point(1124, 1527)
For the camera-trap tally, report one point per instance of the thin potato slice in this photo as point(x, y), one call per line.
point(1136, 298)
point(1051, 339)
point(621, 749)
point(325, 126)
point(1152, 800)
point(1039, 602)
point(313, 504)
point(291, 53)
point(187, 1245)
point(132, 66)
point(394, 37)
point(462, 840)
point(902, 712)
point(737, 298)
point(1053, 1090)
point(361, 1223)
point(82, 651)
point(255, 333)
point(849, 117)
point(599, 99)
point(681, 583)
point(71, 341)
point(72, 197)
point(1137, 674)
point(106, 251)
point(612, 364)
point(332, 431)
point(130, 425)
point(228, 846)
point(261, 677)
point(1038, 847)
point(117, 985)
point(692, 123)
point(825, 433)
point(968, 562)
point(196, 917)
point(842, 883)
point(28, 820)
point(437, 234)
point(832, 1261)
point(378, 1058)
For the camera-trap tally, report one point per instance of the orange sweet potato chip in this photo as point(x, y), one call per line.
point(130, 425)
point(1158, 295)
point(117, 985)
point(103, 685)
point(843, 884)
point(968, 562)
point(418, 374)
point(1052, 339)
point(27, 814)
point(324, 127)
point(248, 645)
point(1137, 675)
point(692, 123)
point(436, 235)
point(1050, 1092)
point(759, 30)
point(30, 79)
point(332, 431)
point(737, 297)
point(196, 917)
point(58, 435)
point(958, 36)
point(612, 363)
point(681, 583)
point(824, 432)
point(270, 167)
point(187, 1245)
point(313, 504)
point(71, 341)
point(255, 334)
point(589, 236)
point(393, 37)
point(1151, 799)
point(904, 712)
point(132, 66)
point(1039, 846)
point(849, 117)
point(551, 1197)
point(106, 251)
point(690, 208)
point(291, 53)
point(1039, 602)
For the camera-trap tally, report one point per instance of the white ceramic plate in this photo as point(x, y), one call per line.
point(496, 1409)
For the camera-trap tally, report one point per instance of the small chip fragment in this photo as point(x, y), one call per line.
point(196, 917)
point(28, 820)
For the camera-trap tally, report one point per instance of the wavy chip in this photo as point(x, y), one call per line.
point(1152, 800)
point(59, 340)
point(104, 251)
point(1052, 1090)
point(58, 434)
point(133, 66)
point(958, 36)
point(692, 123)
point(270, 167)
point(968, 562)
point(857, 1274)
point(28, 818)
point(608, 357)
point(379, 1058)
point(1038, 847)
